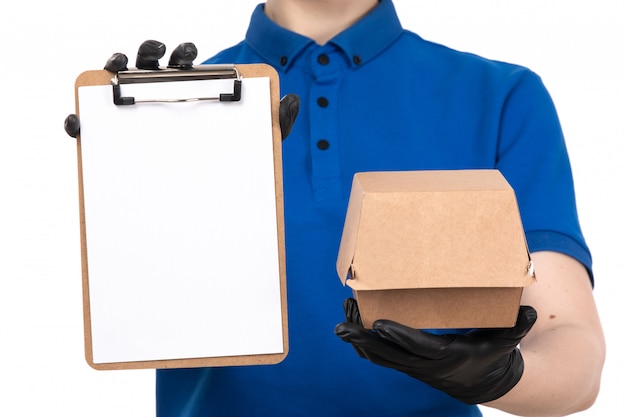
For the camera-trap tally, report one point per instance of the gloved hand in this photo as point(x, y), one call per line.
point(475, 367)
point(182, 57)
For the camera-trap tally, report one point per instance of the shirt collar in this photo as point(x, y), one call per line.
point(361, 42)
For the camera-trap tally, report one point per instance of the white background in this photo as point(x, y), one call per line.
point(576, 46)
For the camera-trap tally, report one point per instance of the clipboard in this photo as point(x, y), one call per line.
point(181, 217)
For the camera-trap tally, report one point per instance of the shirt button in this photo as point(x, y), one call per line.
point(283, 60)
point(323, 144)
point(322, 102)
point(356, 59)
point(323, 59)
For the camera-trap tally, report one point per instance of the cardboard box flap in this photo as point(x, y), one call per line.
point(348, 243)
point(433, 229)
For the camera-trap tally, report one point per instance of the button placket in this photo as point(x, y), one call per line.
point(326, 170)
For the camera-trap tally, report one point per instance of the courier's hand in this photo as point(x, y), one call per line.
point(182, 57)
point(476, 367)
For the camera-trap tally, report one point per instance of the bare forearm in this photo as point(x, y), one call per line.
point(554, 383)
point(564, 352)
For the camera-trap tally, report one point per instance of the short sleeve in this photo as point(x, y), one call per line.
point(532, 155)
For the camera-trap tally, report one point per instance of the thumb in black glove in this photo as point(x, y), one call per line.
point(475, 368)
point(287, 113)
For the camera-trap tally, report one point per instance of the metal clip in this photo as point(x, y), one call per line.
point(202, 72)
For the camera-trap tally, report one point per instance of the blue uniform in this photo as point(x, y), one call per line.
point(377, 97)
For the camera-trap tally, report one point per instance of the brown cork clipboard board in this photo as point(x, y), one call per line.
point(104, 78)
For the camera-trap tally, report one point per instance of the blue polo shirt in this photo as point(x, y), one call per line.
point(377, 97)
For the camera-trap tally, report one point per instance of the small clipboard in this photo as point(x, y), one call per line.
point(181, 217)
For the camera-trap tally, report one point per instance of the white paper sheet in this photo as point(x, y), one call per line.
point(180, 216)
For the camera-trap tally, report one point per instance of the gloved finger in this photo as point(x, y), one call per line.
point(148, 55)
point(346, 330)
point(376, 349)
point(363, 339)
point(351, 310)
point(418, 342)
point(72, 125)
point(526, 318)
point(117, 62)
point(182, 57)
point(288, 111)
point(367, 340)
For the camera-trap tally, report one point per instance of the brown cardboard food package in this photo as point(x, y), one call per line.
point(435, 249)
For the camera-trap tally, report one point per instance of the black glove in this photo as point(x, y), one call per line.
point(182, 57)
point(287, 113)
point(475, 367)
